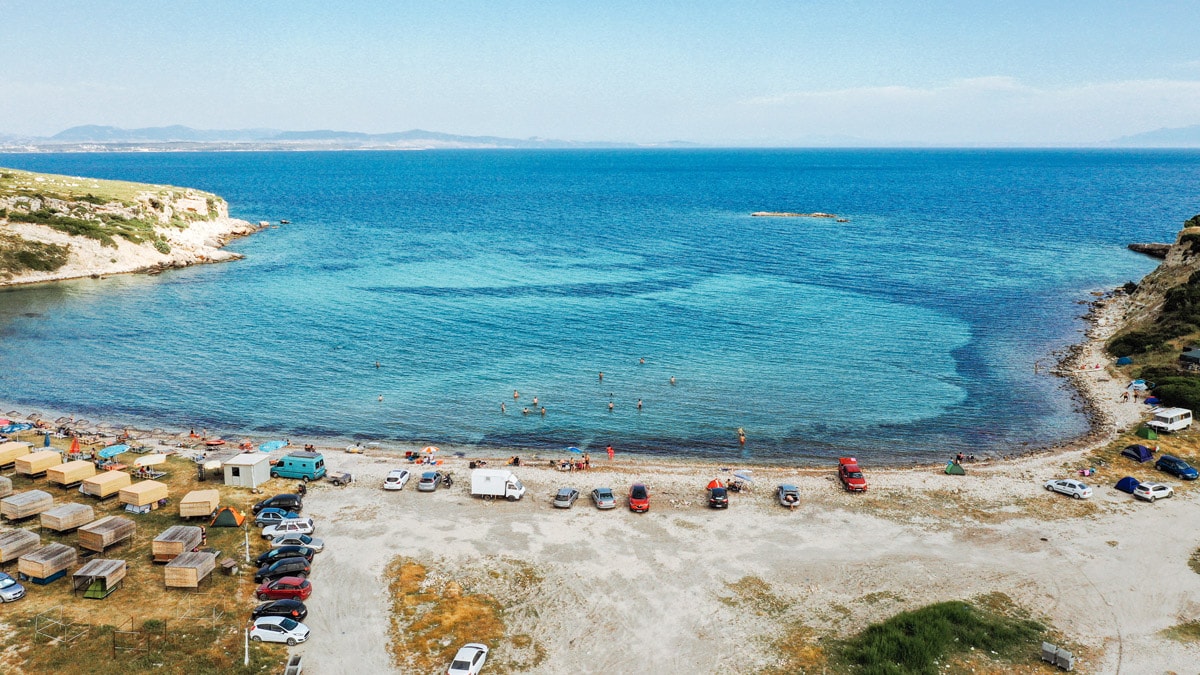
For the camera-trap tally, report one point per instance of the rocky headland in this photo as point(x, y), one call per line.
point(56, 227)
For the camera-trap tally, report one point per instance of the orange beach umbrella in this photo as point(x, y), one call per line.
point(75, 444)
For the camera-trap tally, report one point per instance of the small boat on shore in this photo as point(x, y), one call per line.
point(214, 442)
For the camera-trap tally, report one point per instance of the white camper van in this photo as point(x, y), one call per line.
point(1171, 419)
point(492, 483)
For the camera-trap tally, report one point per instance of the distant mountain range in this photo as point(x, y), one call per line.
point(95, 137)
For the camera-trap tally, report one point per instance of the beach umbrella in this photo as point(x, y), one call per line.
point(271, 446)
point(113, 450)
point(150, 460)
point(46, 444)
point(575, 450)
point(33, 416)
point(4, 422)
point(75, 444)
point(744, 474)
point(429, 449)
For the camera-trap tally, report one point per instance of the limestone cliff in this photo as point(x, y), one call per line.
point(1181, 261)
point(60, 227)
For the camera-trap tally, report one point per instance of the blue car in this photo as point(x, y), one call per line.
point(272, 516)
point(1176, 467)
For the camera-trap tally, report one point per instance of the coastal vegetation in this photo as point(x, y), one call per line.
point(18, 254)
point(917, 641)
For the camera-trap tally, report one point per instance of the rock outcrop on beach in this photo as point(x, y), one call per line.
point(1180, 261)
point(61, 227)
point(1159, 251)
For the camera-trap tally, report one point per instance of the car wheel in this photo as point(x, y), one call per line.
point(1152, 498)
point(302, 575)
point(256, 638)
point(1077, 496)
point(304, 479)
point(274, 475)
point(291, 642)
point(511, 498)
point(262, 596)
point(1049, 488)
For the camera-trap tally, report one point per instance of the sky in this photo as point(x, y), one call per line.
point(960, 72)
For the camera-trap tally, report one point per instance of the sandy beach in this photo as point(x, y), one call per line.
point(687, 589)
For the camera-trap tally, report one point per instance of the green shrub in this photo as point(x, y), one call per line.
point(913, 642)
point(162, 246)
point(1194, 221)
point(21, 255)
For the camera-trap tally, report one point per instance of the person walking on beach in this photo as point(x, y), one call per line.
point(609, 450)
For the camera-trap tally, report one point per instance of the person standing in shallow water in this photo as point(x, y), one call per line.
point(672, 380)
point(639, 404)
point(502, 408)
point(602, 376)
point(610, 406)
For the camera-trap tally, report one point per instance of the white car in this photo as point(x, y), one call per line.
point(278, 629)
point(396, 479)
point(1076, 488)
point(298, 540)
point(469, 660)
point(1153, 491)
point(289, 526)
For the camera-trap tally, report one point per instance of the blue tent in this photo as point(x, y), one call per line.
point(1127, 484)
point(1138, 453)
point(1124, 361)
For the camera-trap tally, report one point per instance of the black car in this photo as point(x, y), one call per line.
point(285, 552)
point(287, 502)
point(284, 567)
point(292, 609)
point(718, 498)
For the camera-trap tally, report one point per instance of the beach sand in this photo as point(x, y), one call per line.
point(684, 589)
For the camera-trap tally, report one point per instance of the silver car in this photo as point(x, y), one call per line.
point(565, 498)
point(1153, 491)
point(603, 498)
point(10, 590)
point(1075, 488)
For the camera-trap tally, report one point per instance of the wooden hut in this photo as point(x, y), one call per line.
point(105, 484)
point(199, 503)
point(145, 493)
point(189, 569)
point(47, 563)
point(38, 463)
point(71, 473)
point(99, 578)
point(25, 504)
point(10, 451)
point(67, 517)
point(100, 534)
point(174, 541)
point(16, 543)
point(5, 486)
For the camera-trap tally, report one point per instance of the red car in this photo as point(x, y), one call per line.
point(851, 475)
point(285, 588)
point(639, 498)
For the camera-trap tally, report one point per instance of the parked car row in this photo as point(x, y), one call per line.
point(283, 570)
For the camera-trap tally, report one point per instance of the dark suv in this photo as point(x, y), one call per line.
point(288, 567)
point(1176, 467)
point(718, 498)
point(287, 502)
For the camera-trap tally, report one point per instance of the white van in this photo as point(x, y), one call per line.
point(1171, 419)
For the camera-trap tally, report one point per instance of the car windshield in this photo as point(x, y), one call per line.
point(5, 583)
point(638, 492)
point(288, 624)
point(604, 494)
point(463, 665)
point(855, 474)
point(718, 492)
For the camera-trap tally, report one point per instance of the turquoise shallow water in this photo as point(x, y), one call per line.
point(907, 333)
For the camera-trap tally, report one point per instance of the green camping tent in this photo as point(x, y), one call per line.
point(1147, 433)
point(227, 517)
point(955, 469)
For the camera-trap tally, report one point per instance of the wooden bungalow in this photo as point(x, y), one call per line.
point(100, 534)
point(10, 451)
point(25, 504)
point(99, 578)
point(67, 517)
point(199, 503)
point(174, 541)
point(71, 473)
point(105, 484)
point(36, 464)
point(48, 563)
point(16, 543)
point(189, 569)
point(145, 493)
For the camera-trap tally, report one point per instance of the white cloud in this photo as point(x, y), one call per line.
point(984, 110)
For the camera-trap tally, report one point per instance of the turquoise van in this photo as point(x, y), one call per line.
point(303, 465)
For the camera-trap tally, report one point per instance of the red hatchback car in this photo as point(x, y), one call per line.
point(639, 498)
point(851, 475)
point(285, 588)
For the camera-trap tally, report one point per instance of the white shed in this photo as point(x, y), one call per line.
point(249, 469)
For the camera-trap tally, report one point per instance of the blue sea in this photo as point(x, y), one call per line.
point(907, 333)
